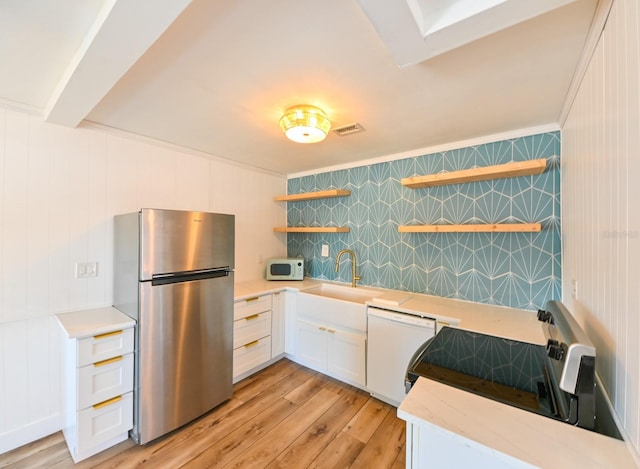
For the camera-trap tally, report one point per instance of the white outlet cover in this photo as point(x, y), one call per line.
point(325, 250)
point(86, 269)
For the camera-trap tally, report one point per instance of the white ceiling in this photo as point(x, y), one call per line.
point(216, 76)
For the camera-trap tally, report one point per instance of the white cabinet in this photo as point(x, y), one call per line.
point(278, 314)
point(347, 356)
point(98, 380)
point(290, 323)
point(313, 345)
point(332, 350)
point(331, 337)
point(429, 446)
point(252, 328)
point(249, 357)
point(252, 339)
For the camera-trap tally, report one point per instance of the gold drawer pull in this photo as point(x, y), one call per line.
point(443, 323)
point(249, 300)
point(108, 361)
point(99, 405)
point(107, 334)
point(331, 330)
point(322, 328)
point(251, 344)
point(252, 317)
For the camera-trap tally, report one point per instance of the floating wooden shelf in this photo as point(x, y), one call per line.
point(313, 195)
point(508, 170)
point(478, 228)
point(312, 229)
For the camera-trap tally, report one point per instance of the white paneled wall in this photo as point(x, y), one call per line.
point(59, 191)
point(601, 211)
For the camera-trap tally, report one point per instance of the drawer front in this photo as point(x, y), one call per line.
point(251, 328)
point(104, 346)
point(103, 380)
point(101, 423)
point(251, 306)
point(251, 355)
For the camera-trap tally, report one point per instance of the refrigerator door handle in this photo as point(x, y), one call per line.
point(165, 279)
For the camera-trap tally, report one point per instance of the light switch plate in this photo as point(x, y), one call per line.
point(86, 269)
point(325, 250)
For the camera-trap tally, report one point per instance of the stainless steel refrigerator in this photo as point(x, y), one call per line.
point(173, 273)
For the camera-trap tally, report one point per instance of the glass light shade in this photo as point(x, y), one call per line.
point(305, 124)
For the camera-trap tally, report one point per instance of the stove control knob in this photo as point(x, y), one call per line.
point(545, 316)
point(555, 350)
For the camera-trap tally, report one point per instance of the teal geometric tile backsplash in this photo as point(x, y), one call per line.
point(521, 270)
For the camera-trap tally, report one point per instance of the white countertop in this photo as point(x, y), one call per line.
point(499, 321)
point(250, 288)
point(529, 437)
point(88, 322)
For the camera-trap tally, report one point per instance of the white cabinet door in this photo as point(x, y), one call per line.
point(100, 424)
point(347, 356)
point(252, 328)
point(278, 309)
point(251, 306)
point(312, 345)
point(290, 308)
point(338, 353)
point(250, 356)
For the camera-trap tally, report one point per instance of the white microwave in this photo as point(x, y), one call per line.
point(285, 268)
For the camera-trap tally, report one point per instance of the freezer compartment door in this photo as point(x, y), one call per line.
point(183, 241)
point(185, 353)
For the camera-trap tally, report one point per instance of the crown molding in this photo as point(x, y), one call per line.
point(85, 124)
point(20, 107)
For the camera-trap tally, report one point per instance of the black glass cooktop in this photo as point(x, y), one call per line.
point(501, 369)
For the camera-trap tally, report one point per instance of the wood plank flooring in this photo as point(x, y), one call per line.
point(285, 416)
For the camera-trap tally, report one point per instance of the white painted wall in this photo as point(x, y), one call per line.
point(601, 213)
point(59, 190)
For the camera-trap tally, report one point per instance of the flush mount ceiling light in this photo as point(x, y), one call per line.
point(305, 124)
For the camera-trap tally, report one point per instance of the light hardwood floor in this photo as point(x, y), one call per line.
point(285, 416)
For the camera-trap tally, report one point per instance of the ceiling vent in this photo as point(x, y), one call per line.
point(348, 129)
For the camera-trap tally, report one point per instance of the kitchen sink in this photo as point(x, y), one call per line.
point(342, 306)
point(344, 293)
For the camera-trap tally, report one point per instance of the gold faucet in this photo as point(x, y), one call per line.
point(354, 277)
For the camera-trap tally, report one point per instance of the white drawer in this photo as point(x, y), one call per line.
point(104, 346)
point(251, 306)
point(251, 328)
point(103, 380)
point(105, 421)
point(251, 355)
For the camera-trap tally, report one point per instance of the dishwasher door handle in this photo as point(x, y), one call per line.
point(402, 318)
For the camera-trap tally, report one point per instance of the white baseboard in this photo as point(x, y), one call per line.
point(34, 431)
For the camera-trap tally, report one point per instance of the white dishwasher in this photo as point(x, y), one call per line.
point(393, 338)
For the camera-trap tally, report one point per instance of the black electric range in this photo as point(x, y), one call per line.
point(556, 380)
